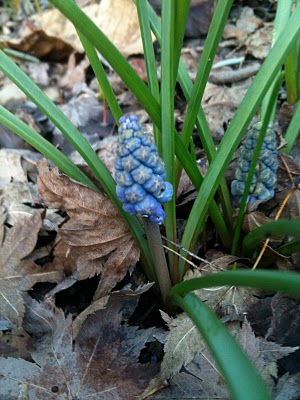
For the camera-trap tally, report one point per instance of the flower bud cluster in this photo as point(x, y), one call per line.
point(140, 172)
point(265, 178)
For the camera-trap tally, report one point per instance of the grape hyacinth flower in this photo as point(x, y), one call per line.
point(264, 179)
point(140, 172)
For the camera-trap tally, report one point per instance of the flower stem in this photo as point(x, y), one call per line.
point(158, 255)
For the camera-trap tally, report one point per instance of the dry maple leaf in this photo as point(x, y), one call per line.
point(18, 275)
point(97, 366)
point(95, 237)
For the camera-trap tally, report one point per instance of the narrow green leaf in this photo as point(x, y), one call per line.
point(293, 131)
point(277, 281)
point(149, 55)
point(167, 113)
point(111, 54)
point(241, 377)
point(182, 8)
point(211, 44)
point(101, 77)
point(289, 248)
point(43, 146)
point(205, 137)
point(238, 126)
point(279, 228)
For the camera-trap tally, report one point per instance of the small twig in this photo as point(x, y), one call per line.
point(235, 75)
point(159, 258)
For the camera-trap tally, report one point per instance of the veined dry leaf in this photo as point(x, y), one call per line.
point(201, 378)
point(261, 352)
point(95, 236)
point(182, 344)
point(228, 302)
point(18, 275)
point(254, 220)
point(51, 35)
point(100, 304)
point(99, 365)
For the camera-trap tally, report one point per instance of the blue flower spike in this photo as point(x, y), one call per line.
point(265, 178)
point(140, 172)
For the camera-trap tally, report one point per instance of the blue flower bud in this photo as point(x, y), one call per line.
point(140, 172)
point(121, 193)
point(167, 194)
point(135, 193)
point(264, 179)
point(129, 163)
point(130, 208)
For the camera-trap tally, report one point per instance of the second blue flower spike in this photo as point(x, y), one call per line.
point(140, 172)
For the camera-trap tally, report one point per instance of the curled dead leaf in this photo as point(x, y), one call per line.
point(95, 237)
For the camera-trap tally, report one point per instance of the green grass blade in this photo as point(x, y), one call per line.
point(241, 377)
point(43, 146)
point(293, 131)
point(167, 126)
point(238, 125)
point(149, 55)
point(277, 281)
point(279, 228)
point(101, 77)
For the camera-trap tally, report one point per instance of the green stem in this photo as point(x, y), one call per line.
point(159, 258)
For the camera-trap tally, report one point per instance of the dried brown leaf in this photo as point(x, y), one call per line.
point(261, 352)
point(18, 275)
point(98, 365)
point(182, 344)
point(254, 220)
point(95, 238)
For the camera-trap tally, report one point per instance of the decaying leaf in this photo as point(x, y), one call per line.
point(200, 377)
point(252, 32)
point(100, 304)
point(99, 364)
point(51, 35)
point(288, 387)
point(95, 239)
point(228, 302)
point(182, 344)
point(18, 275)
point(261, 352)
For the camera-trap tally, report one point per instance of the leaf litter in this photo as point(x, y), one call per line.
point(97, 365)
point(18, 275)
